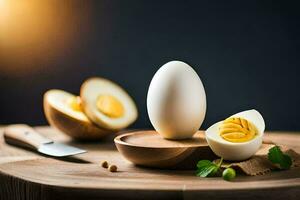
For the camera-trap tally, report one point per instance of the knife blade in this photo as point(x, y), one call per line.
point(23, 135)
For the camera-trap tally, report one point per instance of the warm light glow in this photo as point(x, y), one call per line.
point(33, 31)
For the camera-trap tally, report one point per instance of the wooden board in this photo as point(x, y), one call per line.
point(27, 175)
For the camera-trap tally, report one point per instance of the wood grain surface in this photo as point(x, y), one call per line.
point(27, 175)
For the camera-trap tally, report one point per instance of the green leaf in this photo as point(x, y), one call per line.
point(204, 163)
point(206, 171)
point(207, 168)
point(276, 156)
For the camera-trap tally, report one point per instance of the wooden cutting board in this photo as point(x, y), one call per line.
point(27, 175)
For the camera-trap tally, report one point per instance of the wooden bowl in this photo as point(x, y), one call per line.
point(148, 148)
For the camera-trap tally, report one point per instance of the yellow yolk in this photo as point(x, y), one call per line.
point(75, 104)
point(110, 106)
point(235, 129)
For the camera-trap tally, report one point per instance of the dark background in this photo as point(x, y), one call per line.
point(245, 52)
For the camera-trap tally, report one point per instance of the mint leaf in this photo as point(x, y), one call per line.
point(207, 168)
point(204, 163)
point(276, 156)
point(206, 171)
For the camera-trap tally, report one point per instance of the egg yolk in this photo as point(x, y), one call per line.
point(75, 104)
point(110, 106)
point(235, 129)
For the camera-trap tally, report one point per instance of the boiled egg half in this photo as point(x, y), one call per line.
point(63, 110)
point(107, 104)
point(238, 137)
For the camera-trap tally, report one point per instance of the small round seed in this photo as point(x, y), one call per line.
point(112, 168)
point(104, 164)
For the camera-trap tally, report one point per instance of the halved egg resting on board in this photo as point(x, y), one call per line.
point(110, 102)
point(63, 111)
point(238, 137)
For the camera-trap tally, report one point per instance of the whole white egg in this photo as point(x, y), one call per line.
point(176, 101)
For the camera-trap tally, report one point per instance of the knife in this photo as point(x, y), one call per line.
point(24, 136)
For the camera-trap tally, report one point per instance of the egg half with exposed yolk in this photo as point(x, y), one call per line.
point(107, 104)
point(63, 110)
point(238, 137)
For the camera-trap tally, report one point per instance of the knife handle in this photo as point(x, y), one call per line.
point(24, 136)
